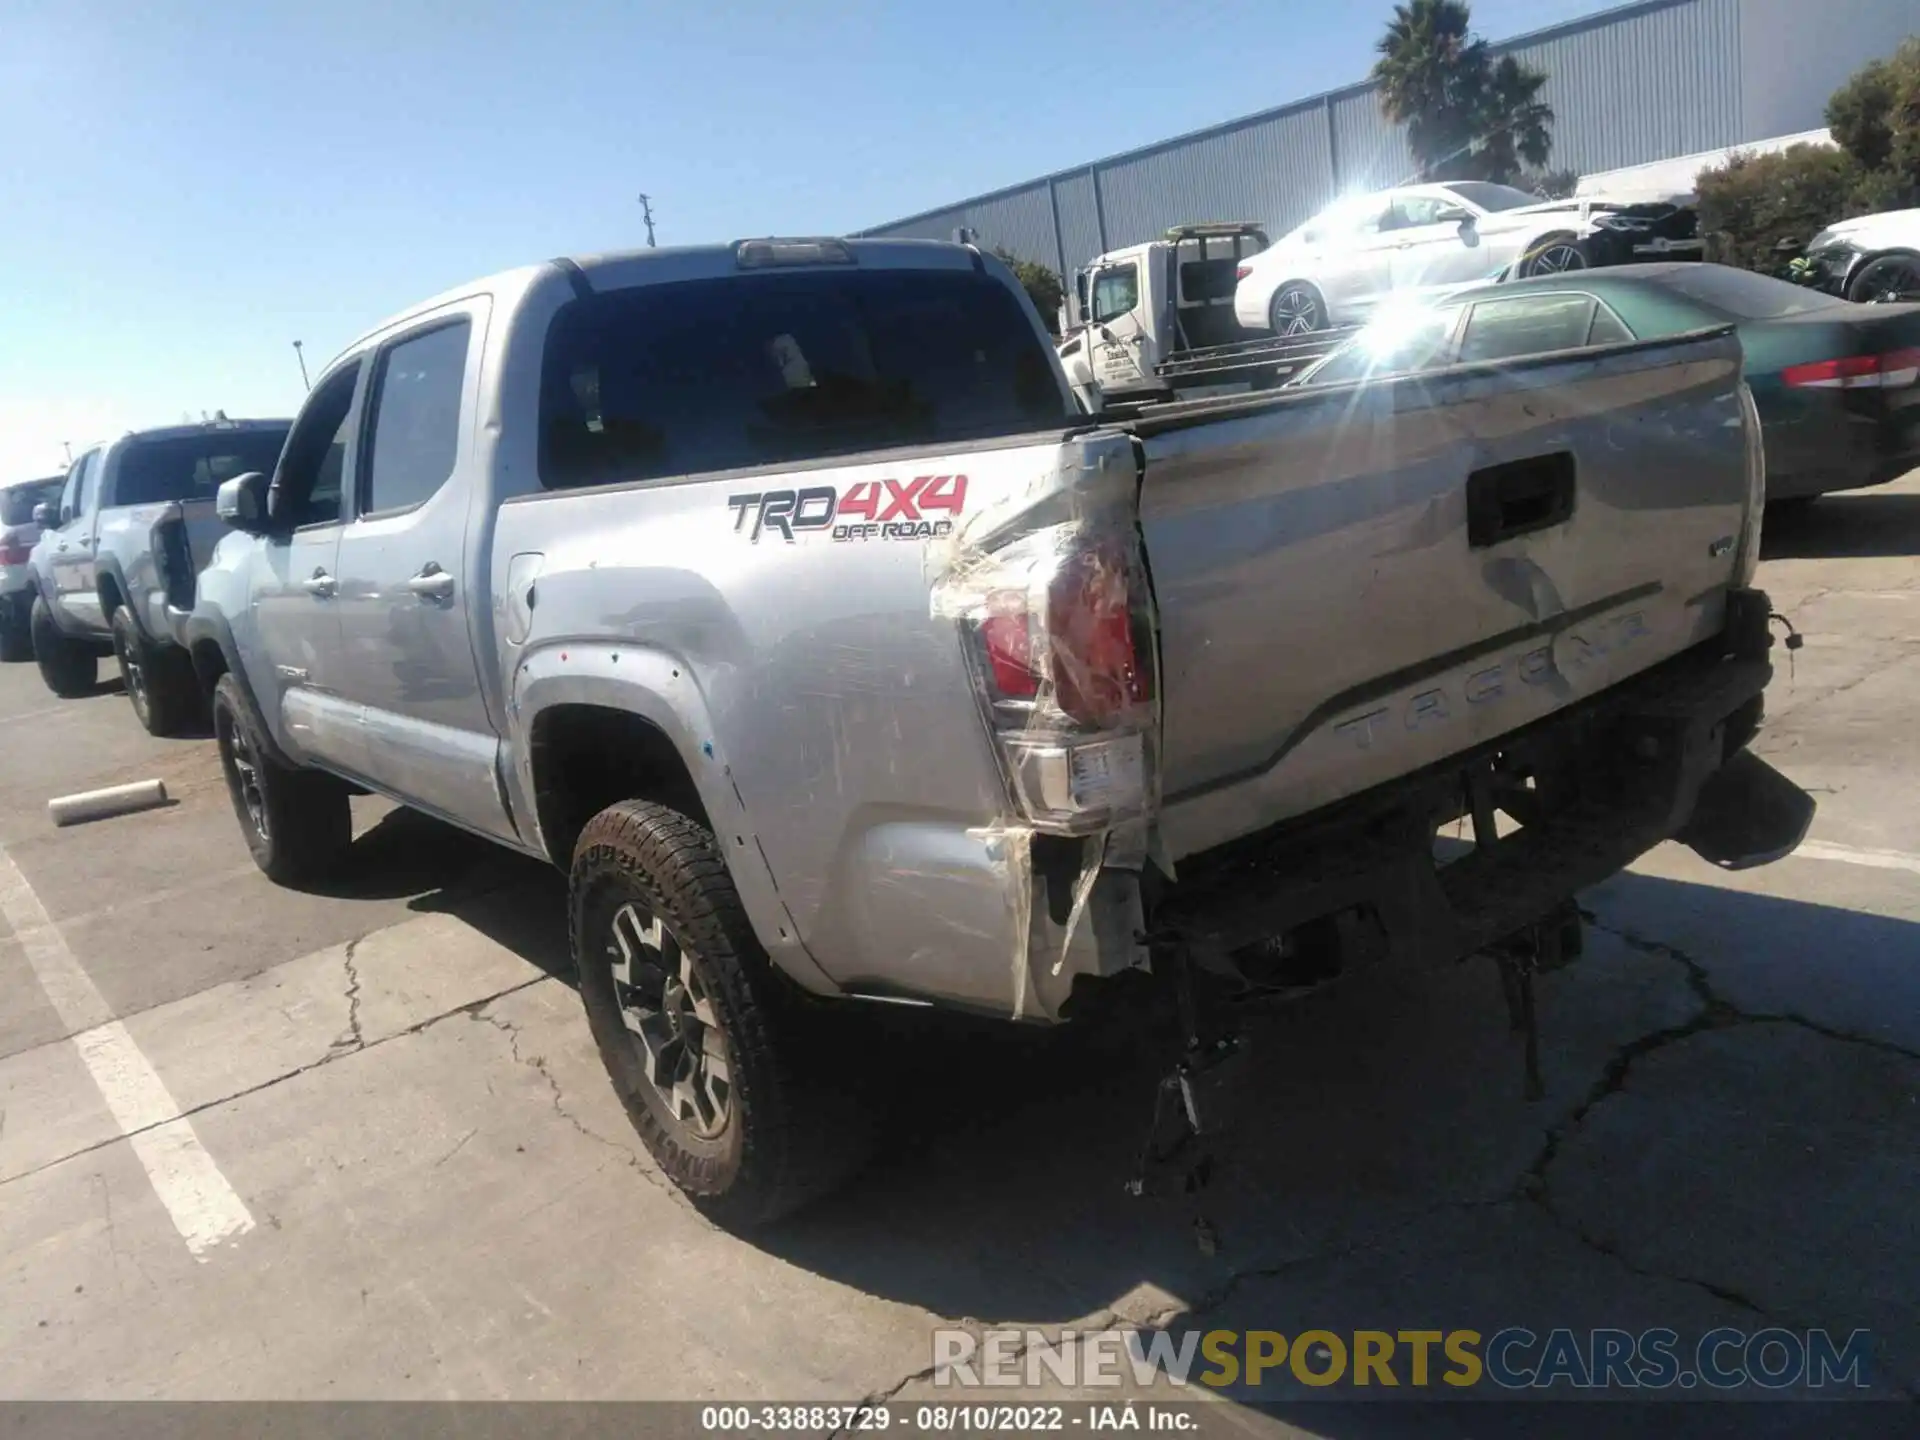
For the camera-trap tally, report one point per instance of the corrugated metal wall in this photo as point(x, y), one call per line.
point(1643, 82)
point(1663, 81)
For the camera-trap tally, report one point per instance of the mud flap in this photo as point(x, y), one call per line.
point(1747, 814)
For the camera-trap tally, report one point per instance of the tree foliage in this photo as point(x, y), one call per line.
point(1040, 283)
point(1875, 118)
point(1468, 116)
point(1757, 211)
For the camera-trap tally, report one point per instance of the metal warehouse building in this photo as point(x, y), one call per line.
point(1643, 82)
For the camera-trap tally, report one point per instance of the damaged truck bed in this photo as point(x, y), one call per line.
point(781, 583)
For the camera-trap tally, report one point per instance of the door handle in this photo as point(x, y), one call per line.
point(320, 583)
point(432, 583)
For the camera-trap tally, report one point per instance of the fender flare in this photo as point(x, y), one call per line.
point(658, 689)
point(108, 567)
point(203, 627)
point(61, 620)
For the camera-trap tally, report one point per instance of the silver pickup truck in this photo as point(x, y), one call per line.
point(777, 593)
point(113, 568)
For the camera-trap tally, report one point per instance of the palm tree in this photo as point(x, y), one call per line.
point(1467, 117)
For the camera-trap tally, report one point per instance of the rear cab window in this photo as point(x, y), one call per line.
point(786, 367)
point(17, 503)
point(192, 467)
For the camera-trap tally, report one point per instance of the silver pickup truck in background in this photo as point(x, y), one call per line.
point(777, 593)
point(113, 569)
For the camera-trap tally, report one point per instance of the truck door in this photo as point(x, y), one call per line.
point(1117, 334)
point(291, 665)
point(70, 547)
point(406, 654)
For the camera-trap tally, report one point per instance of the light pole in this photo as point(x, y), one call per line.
point(646, 213)
point(300, 355)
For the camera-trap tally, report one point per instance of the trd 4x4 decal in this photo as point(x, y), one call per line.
point(866, 510)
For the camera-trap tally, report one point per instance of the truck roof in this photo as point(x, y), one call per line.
point(199, 427)
point(619, 269)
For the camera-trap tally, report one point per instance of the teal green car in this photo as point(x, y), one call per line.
point(1837, 384)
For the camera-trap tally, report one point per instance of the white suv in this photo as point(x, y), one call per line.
point(1337, 267)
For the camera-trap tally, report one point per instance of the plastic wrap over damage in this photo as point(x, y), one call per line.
point(1050, 595)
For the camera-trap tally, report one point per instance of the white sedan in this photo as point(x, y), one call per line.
point(1337, 267)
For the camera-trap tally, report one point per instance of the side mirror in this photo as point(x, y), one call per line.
point(43, 514)
point(242, 502)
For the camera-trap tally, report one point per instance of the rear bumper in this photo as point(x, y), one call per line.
point(1660, 757)
point(1855, 440)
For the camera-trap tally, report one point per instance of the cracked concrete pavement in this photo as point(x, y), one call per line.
point(397, 1081)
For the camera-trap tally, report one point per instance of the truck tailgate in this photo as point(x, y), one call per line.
point(1356, 582)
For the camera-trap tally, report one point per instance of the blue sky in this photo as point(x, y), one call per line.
point(184, 190)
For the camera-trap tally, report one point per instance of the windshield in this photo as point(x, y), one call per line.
point(193, 467)
point(706, 375)
point(1743, 295)
point(17, 502)
point(1489, 196)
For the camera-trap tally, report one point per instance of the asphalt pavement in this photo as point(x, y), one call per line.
point(256, 1144)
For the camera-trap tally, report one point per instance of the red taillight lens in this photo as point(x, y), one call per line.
point(1242, 272)
point(1009, 641)
point(1856, 372)
point(15, 554)
point(1097, 676)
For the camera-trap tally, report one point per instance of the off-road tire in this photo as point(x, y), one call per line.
point(16, 632)
point(305, 822)
point(71, 668)
point(797, 1125)
point(159, 679)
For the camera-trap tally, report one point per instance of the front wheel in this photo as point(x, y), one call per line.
point(159, 679)
point(69, 667)
point(1296, 309)
point(297, 823)
point(1555, 255)
point(708, 1049)
point(1887, 280)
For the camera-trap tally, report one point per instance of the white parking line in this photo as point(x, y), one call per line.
point(204, 1207)
point(1852, 855)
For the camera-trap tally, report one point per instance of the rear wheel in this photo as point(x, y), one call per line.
point(159, 678)
point(1296, 309)
point(1555, 255)
point(70, 667)
point(297, 823)
point(718, 1061)
point(1887, 280)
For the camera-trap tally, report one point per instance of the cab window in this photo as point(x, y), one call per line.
point(1115, 293)
point(306, 487)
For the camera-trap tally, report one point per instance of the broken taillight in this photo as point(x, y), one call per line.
point(1097, 676)
point(1060, 626)
point(1007, 634)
